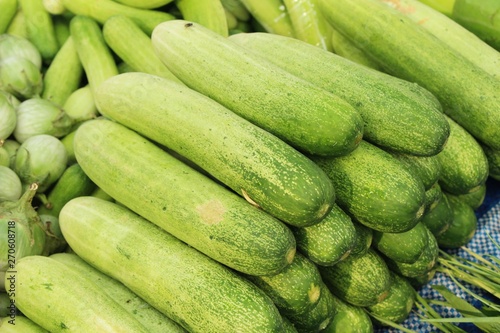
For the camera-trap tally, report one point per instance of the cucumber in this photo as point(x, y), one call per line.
point(236, 8)
point(182, 201)
point(305, 116)
point(149, 317)
point(295, 290)
point(464, 166)
point(21, 325)
point(493, 156)
point(405, 246)
point(375, 188)
point(462, 228)
point(9, 10)
point(196, 292)
point(361, 280)
point(41, 285)
point(416, 127)
point(405, 49)
point(364, 239)
point(427, 168)
point(432, 197)
point(271, 15)
point(421, 280)
point(288, 326)
point(145, 4)
point(328, 241)
point(438, 219)
point(474, 199)
point(398, 304)
point(348, 318)
point(208, 13)
point(17, 26)
point(254, 163)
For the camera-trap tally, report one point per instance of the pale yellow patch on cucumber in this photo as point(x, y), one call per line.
point(314, 293)
point(290, 255)
point(382, 296)
point(211, 212)
point(324, 324)
point(346, 254)
point(247, 198)
point(420, 212)
point(323, 210)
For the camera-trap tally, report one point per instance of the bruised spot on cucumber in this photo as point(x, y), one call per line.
point(211, 212)
point(314, 293)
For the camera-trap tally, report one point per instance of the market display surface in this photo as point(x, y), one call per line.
point(249, 166)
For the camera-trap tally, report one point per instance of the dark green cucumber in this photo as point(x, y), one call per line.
point(288, 325)
point(362, 280)
point(363, 241)
point(474, 199)
point(193, 290)
point(182, 201)
point(254, 163)
point(438, 219)
point(398, 304)
point(376, 188)
point(463, 226)
point(295, 290)
point(493, 156)
point(421, 280)
point(427, 168)
point(464, 166)
point(416, 126)
point(348, 318)
point(405, 246)
point(307, 117)
point(432, 197)
point(407, 50)
point(328, 241)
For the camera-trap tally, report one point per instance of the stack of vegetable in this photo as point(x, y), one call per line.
point(238, 165)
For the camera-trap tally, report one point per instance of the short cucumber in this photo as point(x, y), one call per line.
point(41, 285)
point(427, 168)
point(254, 163)
point(348, 318)
point(362, 280)
point(305, 116)
point(328, 241)
point(181, 200)
point(198, 293)
point(416, 127)
point(475, 199)
point(21, 324)
point(375, 188)
point(438, 219)
point(208, 13)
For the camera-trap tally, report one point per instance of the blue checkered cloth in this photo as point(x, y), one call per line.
point(488, 224)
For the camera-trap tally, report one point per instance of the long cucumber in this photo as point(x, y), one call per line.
point(187, 286)
point(307, 117)
point(181, 200)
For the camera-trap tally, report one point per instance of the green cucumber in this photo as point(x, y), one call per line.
point(427, 168)
point(17, 26)
point(271, 15)
point(196, 292)
point(9, 10)
point(493, 156)
point(134, 47)
point(181, 200)
point(148, 316)
point(464, 166)
point(421, 280)
point(404, 246)
point(405, 49)
point(432, 197)
point(254, 163)
point(305, 116)
point(363, 241)
point(295, 290)
point(41, 284)
point(236, 8)
point(208, 13)
point(21, 324)
point(328, 241)
point(474, 199)
point(288, 326)
point(146, 4)
point(463, 226)
point(375, 188)
point(398, 304)
point(361, 280)
point(438, 219)
point(348, 318)
point(80, 105)
point(61, 28)
point(101, 10)
point(416, 125)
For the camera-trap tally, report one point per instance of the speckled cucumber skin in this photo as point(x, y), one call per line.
point(307, 117)
point(375, 188)
point(187, 286)
point(416, 124)
point(438, 219)
point(182, 201)
point(348, 318)
point(248, 159)
point(427, 168)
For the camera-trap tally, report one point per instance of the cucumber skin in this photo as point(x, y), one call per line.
point(307, 117)
point(199, 293)
point(348, 318)
point(22, 325)
point(439, 219)
point(416, 125)
point(493, 156)
point(407, 50)
point(251, 161)
point(427, 168)
point(475, 199)
point(182, 201)
point(208, 13)
point(374, 188)
point(41, 285)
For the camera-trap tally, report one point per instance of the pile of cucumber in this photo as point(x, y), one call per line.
point(236, 165)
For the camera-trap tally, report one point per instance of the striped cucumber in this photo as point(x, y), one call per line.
point(9, 10)
point(416, 124)
point(406, 50)
point(265, 170)
point(271, 15)
point(196, 292)
point(427, 168)
point(302, 114)
point(182, 201)
point(208, 13)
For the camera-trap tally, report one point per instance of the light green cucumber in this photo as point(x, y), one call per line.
point(255, 164)
point(101, 10)
point(362, 280)
point(9, 10)
point(17, 26)
point(329, 241)
point(21, 324)
point(464, 165)
point(305, 116)
point(427, 168)
point(348, 318)
point(416, 124)
point(271, 15)
point(61, 28)
point(147, 315)
point(196, 292)
point(134, 47)
point(80, 105)
point(406, 50)
point(474, 199)
point(41, 284)
point(145, 4)
point(374, 188)
point(181, 200)
point(67, 141)
point(64, 74)
point(493, 156)
point(438, 219)
point(208, 13)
